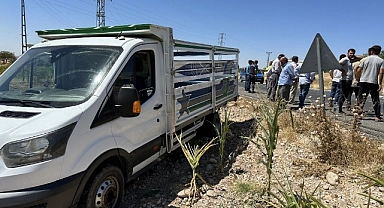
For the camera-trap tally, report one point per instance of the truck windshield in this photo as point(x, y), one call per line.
point(56, 76)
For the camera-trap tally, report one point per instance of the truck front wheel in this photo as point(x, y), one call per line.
point(105, 189)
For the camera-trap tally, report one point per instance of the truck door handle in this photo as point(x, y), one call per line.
point(157, 106)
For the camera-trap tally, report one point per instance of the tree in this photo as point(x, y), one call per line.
point(381, 55)
point(7, 57)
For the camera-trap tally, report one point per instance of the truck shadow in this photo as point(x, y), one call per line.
point(159, 186)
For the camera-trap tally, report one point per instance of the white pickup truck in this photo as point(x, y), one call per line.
point(88, 109)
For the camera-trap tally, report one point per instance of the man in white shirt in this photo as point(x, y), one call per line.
point(295, 84)
point(305, 81)
point(336, 75)
point(347, 77)
point(274, 78)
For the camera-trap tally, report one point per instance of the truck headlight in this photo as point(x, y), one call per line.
point(37, 149)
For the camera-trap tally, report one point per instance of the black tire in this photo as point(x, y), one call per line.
point(211, 123)
point(105, 189)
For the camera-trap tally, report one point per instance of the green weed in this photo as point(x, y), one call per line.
point(193, 155)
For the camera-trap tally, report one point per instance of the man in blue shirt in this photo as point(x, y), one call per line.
point(287, 76)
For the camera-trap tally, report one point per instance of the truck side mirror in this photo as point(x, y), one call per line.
point(128, 103)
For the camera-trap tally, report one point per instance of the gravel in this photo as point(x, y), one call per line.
point(167, 183)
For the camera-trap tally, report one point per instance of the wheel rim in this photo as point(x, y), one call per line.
point(107, 193)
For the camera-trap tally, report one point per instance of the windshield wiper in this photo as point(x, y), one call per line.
point(30, 103)
point(45, 104)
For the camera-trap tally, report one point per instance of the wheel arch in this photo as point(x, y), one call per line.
point(116, 157)
point(208, 128)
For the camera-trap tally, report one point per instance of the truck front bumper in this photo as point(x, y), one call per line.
point(54, 195)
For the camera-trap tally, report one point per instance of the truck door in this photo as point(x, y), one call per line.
point(142, 136)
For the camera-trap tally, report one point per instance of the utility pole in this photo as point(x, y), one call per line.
point(24, 45)
point(100, 13)
point(269, 53)
point(221, 41)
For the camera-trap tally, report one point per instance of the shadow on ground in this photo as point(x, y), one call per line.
point(159, 186)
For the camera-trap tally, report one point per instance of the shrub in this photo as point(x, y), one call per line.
point(4, 67)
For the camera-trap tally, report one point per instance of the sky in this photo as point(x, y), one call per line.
point(254, 26)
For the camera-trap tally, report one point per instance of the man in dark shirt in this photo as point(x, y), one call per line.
point(251, 79)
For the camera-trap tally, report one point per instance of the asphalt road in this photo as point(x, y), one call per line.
point(368, 124)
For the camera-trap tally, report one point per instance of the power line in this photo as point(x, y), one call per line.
point(57, 6)
point(151, 16)
point(73, 8)
point(204, 22)
point(57, 12)
point(122, 10)
point(42, 6)
point(125, 13)
point(114, 17)
point(128, 15)
point(187, 11)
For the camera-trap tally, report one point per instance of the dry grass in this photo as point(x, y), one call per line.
point(286, 130)
point(310, 168)
point(327, 81)
point(334, 142)
point(315, 84)
point(337, 143)
point(316, 143)
point(378, 172)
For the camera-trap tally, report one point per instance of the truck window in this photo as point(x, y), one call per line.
point(57, 76)
point(37, 73)
point(139, 72)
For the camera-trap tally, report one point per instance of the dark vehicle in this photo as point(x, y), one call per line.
point(242, 74)
point(260, 76)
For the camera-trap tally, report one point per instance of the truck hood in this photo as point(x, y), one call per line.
point(18, 123)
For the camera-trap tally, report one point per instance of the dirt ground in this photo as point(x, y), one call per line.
point(241, 184)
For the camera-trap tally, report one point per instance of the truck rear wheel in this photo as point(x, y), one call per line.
point(211, 125)
point(105, 189)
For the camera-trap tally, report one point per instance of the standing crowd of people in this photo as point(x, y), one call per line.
point(356, 75)
point(359, 76)
point(250, 76)
point(284, 79)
